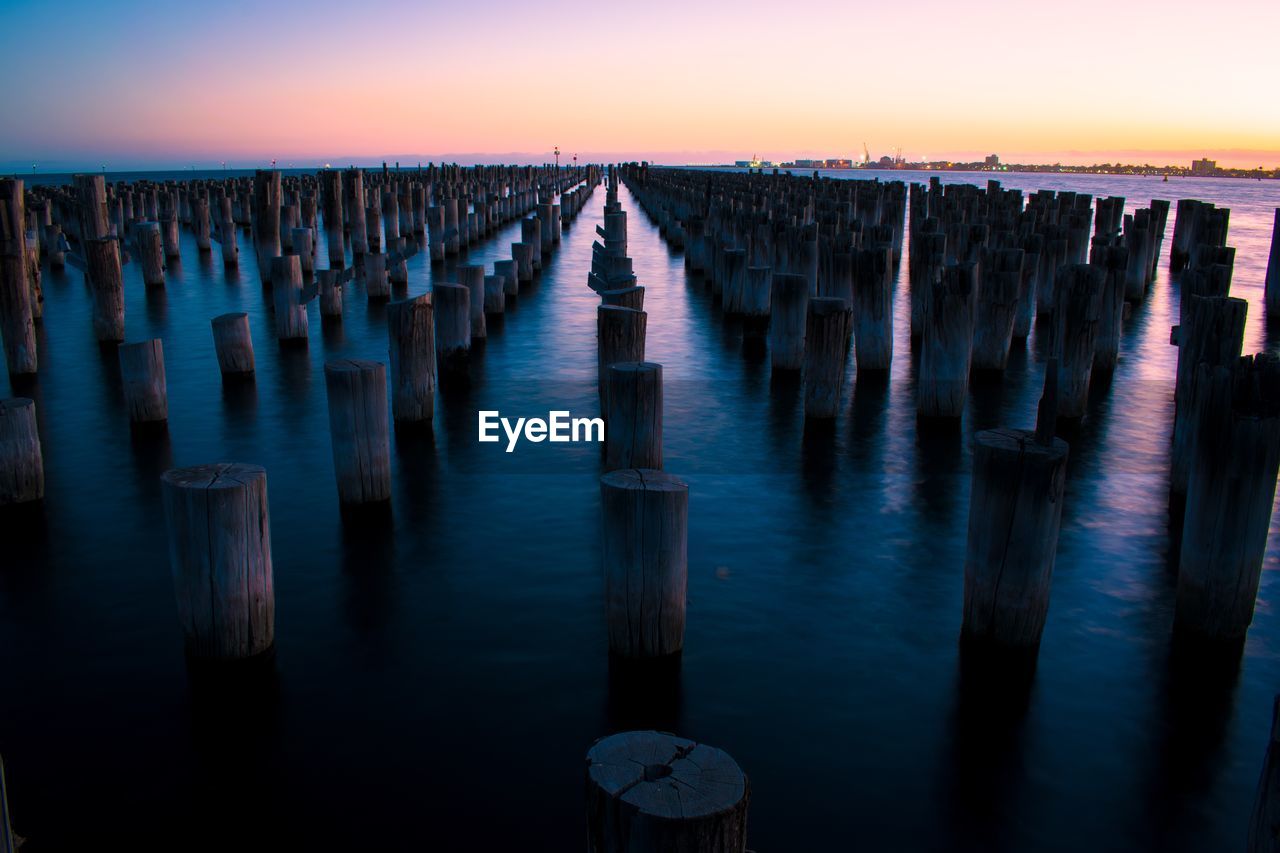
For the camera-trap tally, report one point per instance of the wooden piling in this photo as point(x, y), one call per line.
point(200, 224)
point(1015, 509)
point(377, 286)
point(997, 307)
point(266, 220)
point(330, 291)
point(150, 253)
point(1272, 283)
point(495, 297)
point(21, 462)
point(286, 292)
point(620, 336)
point(146, 395)
point(359, 430)
point(471, 276)
point(106, 284)
point(645, 561)
point(303, 248)
point(634, 417)
point(522, 253)
point(220, 557)
point(233, 344)
point(1230, 492)
point(946, 347)
point(17, 319)
point(1078, 303)
point(452, 306)
point(510, 279)
point(411, 333)
point(873, 307)
point(652, 792)
point(825, 347)
point(789, 298)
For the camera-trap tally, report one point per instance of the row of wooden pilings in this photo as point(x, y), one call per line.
point(978, 279)
point(646, 791)
point(225, 592)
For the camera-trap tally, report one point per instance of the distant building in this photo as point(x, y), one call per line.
point(839, 164)
point(992, 161)
point(1204, 167)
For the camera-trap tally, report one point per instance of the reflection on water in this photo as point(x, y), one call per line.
point(448, 653)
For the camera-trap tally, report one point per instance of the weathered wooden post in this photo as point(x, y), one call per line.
point(1230, 493)
point(233, 344)
point(994, 315)
point(1273, 269)
point(1015, 510)
point(646, 515)
point(531, 233)
point(266, 220)
point(220, 557)
point(451, 237)
point(200, 223)
point(522, 254)
point(510, 280)
point(21, 463)
point(359, 430)
point(376, 284)
point(146, 395)
point(825, 346)
point(17, 320)
point(227, 234)
point(789, 297)
point(756, 301)
point(633, 438)
point(329, 289)
point(334, 221)
point(1137, 243)
point(169, 233)
point(495, 297)
point(94, 222)
point(653, 792)
point(946, 345)
point(471, 276)
point(1264, 825)
point(1078, 302)
point(734, 274)
point(353, 207)
point(1211, 332)
point(452, 306)
point(150, 253)
point(53, 247)
point(102, 257)
point(435, 233)
point(286, 292)
point(1114, 261)
point(411, 333)
point(303, 248)
point(873, 308)
point(620, 336)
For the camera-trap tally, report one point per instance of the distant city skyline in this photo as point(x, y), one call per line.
point(142, 84)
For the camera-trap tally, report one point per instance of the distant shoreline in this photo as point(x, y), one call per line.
point(1123, 172)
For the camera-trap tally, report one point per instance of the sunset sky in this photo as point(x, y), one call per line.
point(139, 83)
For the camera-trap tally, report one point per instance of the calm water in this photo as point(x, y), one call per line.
point(439, 675)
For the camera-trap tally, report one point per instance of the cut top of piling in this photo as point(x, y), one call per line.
point(215, 475)
point(666, 776)
point(644, 479)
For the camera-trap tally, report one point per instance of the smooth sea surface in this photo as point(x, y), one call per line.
point(441, 671)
